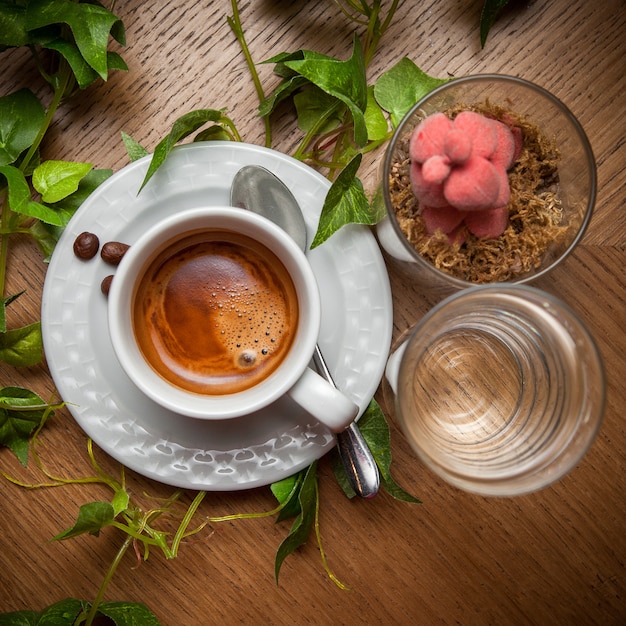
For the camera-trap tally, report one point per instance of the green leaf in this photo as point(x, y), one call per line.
point(375, 431)
point(128, 614)
point(301, 529)
point(19, 197)
point(21, 116)
point(182, 127)
point(286, 491)
point(66, 612)
point(46, 237)
point(488, 16)
point(284, 90)
point(22, 347)
point(401, 87)
point(213, 133)
point(63, 613)
point(91, 25)
point(3, 305)
point(85, 75)
point(345, 80)
point(92, 517)
point(375, 120)
point(12, 25)
point(345, 203)
point(47, 234)
point(21, 411)
point(341, 475)
point(68, 205)
point(318, 112)
point(19, 191)
point(120, 502)
point(134, 149)
point(279, 59)
point(56, 180)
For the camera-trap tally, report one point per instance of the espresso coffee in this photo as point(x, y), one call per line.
point(215, 312)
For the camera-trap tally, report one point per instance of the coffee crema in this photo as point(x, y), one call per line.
point(215, 312)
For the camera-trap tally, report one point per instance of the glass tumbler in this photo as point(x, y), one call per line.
point(499, 389)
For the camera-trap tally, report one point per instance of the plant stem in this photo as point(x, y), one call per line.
point(235, 24)
point(107, 579)
point(5, 217)
point(316, 128)
point(180, 533)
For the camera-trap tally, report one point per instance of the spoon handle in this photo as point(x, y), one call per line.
point(353, 450)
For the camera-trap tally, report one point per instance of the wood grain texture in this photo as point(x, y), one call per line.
point(554, 557)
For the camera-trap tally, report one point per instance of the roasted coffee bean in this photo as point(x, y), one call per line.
point(86, 245)
point(105, 285)
point(113, 251)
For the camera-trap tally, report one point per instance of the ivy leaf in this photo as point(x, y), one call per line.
point(56, 180)
point(375, 431)
point(134, 149)
point(375, 120)
point(12, 29)
point(401, 87)
point(91, 25)
point(47, 234)
point(284, 90)
point(280, 69)
point(182, 127)
point(92, 517)
point(68, 205)
point(22, 347)
point(128, 614)
point(21, 116)
point(317, 111)
point(286, 491)
point(21, 411)
point(19, 197)
point(213, 133)
point(66, 612)
point(85, 75)
point(341, 475)
point(345, 203)
point(301, 529)
point(61, 613)
point(488, 16)
point(345, 80)
point(120, 502)
point(3, 305)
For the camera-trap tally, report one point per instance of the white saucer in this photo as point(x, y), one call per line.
point(226, 455)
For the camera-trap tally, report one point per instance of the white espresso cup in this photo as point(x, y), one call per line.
point(224, 325)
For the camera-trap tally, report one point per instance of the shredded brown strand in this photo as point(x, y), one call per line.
point(535, 211)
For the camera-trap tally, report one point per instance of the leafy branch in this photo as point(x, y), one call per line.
point(69, 43)
point(341, 117)
point(141, 533)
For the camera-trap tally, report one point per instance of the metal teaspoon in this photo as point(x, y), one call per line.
point(257, 189)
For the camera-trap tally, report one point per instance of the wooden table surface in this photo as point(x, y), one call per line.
point(552, 557)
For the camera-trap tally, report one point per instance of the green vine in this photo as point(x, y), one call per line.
point(341, 117)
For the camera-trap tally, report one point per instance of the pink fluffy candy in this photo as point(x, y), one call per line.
point(459, 172)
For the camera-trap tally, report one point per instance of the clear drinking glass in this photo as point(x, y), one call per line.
point(499, 390)
point(576, 169)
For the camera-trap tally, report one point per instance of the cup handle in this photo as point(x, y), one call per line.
point(392, 370)
point(391, 242)
point(326, 403)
